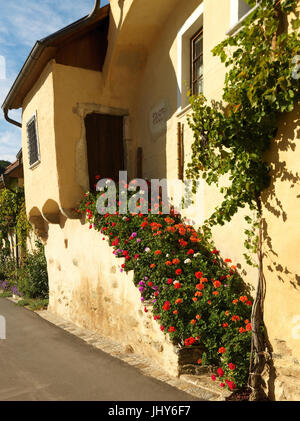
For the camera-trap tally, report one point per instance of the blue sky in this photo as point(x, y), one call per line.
point(22, 23)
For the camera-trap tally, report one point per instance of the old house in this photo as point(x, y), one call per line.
point(13, 176)
point(107, 93)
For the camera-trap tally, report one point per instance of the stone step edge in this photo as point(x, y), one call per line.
point(203, 381)
point(190, 384)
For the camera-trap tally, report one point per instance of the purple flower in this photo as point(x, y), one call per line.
point(141, 289)
point(154, 301)
point(141, 283)
point(138, 240)
point(146, 278)
point(4, 285)
point(15, 291)
point(142, 299)
point(134, 234)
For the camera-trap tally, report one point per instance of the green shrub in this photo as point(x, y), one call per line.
point(34, 304)
point(6, 294)
point(33, 276)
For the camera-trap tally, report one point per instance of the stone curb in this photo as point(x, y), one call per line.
point(197, 386)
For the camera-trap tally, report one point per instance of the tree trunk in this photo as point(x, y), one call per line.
point(258, 358)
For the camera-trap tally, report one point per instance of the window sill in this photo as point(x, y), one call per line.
point(33, 166)
point(183, 111)
point(238, 25)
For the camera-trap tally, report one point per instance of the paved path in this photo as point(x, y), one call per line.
point(39, 361)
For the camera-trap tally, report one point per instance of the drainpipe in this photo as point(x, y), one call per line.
point(10, 120)
point(96, 7)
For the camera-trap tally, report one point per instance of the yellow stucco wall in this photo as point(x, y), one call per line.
point(87, 287)
point(41, 181)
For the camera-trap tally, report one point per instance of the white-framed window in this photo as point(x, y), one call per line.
point(33, 141)
point(239, 10)
point(190, 53)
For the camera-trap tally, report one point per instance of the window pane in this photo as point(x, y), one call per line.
point(198, 68)
point(198, 46)
point(243, 8)
point(198, 87)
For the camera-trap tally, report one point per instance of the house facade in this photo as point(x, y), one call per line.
point(121, 76)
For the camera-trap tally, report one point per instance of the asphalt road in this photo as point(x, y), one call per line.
point(41, 362)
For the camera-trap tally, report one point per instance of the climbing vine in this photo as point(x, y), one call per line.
point(231, 137)
point(13, 220)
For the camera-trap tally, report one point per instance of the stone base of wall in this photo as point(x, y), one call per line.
point(88, 288)
point(282, 374)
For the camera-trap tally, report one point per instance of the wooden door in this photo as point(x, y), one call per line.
point(105, 149)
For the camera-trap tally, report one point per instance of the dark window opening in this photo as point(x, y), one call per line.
point(197, 63)
point(243, 8)
point(105, 148)
point(33, 148)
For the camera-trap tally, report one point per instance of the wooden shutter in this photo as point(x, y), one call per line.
point(105, 149)
point(33, 148)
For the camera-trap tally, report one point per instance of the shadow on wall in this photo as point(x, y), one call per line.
point(157, 103)
point(285, 144)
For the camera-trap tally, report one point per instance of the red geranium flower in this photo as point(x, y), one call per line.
point(166, 306)
point(217, 284)
point(222, 350)
point(178, 271)
point(220, 371)
point(231, 366)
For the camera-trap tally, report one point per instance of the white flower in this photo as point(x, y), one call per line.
point(187, 261)
point(147, 249)
point(196, 254)
point(167, 255)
